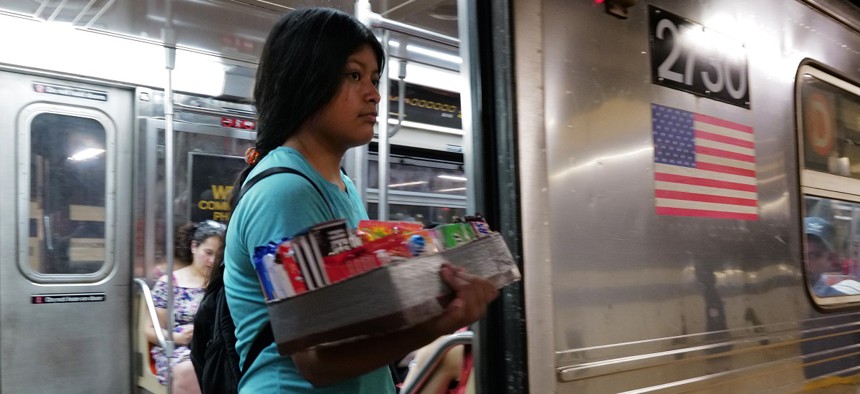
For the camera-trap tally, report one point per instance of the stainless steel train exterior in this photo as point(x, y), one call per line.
point(652, 262)
point(633, 286)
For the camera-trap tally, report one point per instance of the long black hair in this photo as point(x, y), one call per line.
point(300, 72)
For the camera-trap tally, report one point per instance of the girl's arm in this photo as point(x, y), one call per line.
point(323, 366)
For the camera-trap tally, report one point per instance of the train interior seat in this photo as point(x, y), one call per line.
point(146, 376)
point(455, 365)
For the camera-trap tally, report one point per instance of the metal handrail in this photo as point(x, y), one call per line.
point(150, 307)
point(402, 28)
point(371, 19)
point(193, 109)
point(424, 371)
point(401, 99)
point(166, 346)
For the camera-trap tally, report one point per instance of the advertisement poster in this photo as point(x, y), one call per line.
point(212, 178)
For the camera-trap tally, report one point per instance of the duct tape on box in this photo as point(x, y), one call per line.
point(386, 299)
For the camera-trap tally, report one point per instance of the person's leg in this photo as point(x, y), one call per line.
point(447, 371)
point(184, 379)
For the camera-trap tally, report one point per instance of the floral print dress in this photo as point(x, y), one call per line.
point(186, 300)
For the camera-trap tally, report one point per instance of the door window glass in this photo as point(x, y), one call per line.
point(831, 127)
point(67, 194)
point(429, 187)
point(412, 174)
point(832, 240)
point(426, 215)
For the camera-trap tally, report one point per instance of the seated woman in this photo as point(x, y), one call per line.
point(196, 244)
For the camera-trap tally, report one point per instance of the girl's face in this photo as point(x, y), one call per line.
point(204, 254)
point(348, 119)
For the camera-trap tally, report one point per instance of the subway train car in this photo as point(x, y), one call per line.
point(676, 179)
point(669, 156)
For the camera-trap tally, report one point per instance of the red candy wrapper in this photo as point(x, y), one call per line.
point(370, 230)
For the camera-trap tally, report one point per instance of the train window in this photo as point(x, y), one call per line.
point(829, 125)
point(207, 159)
point(828, 119)
point(67, 195)
point(832, 247)
point(426, 215)
point(426, 186)
point(421, 175)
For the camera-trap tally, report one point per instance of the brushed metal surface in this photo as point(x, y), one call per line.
point(642, 302)
point(80, 346)
point(534, 204)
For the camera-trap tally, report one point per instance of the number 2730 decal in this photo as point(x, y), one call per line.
point(690, 57)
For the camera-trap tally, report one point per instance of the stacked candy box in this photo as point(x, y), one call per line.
point(329, 284)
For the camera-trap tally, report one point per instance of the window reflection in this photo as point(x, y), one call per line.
point(420, 175)
point(426, 175)
point(426, 215)
point(189, 147)
point(832, 237)
point(67, 194)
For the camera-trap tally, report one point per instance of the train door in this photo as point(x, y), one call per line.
point(64, 253)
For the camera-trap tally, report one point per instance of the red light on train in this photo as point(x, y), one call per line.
point(238, 123)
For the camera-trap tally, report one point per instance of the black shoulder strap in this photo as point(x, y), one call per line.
point(265, 337)
point(277, 170)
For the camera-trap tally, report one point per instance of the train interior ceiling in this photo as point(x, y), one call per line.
point(207, 49)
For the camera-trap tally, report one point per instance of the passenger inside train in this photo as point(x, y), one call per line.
point(313, 105)
point(823, 263)
point(450, 376)
point(195, 246)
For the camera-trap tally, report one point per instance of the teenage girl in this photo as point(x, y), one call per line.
point(316, 96)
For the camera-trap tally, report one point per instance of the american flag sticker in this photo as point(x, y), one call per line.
point(703, 166)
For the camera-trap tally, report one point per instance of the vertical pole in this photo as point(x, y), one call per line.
point(169, 63)
point(382, 137)
point(150, 196)
point(355, 165)
point(469, 88)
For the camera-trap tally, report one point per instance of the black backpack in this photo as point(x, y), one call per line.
point(213, 346)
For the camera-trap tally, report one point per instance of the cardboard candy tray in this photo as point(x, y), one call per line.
point(389, 298)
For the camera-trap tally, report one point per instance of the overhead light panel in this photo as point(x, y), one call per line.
point(453, 178)
point(86, 154)
point(435, 54)
point(408, 184)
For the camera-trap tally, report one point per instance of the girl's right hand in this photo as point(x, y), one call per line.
point(471, 296)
